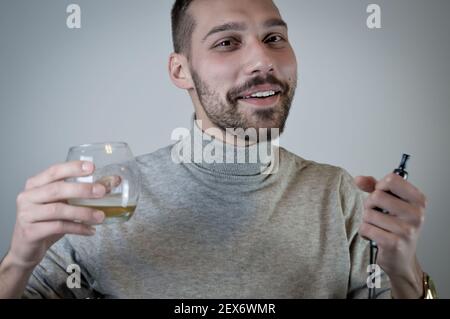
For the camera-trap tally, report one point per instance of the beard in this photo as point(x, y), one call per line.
point(229, 114)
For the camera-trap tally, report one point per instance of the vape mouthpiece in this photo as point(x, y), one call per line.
point(403, 162)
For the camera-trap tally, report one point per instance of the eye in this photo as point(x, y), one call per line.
point(275, 38)
point(226, 44)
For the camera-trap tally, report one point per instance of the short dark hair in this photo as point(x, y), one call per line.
point(183, 25)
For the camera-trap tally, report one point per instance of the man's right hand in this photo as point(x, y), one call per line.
point(43, 215)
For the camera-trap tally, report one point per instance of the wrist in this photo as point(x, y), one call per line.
point(408, 286)
point(12, 263)
point(13, 277)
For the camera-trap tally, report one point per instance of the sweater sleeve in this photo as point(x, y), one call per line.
point(49, 278)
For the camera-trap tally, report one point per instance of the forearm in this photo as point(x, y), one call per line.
point(13, 278)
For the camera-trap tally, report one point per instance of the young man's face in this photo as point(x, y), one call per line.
point(238, 48)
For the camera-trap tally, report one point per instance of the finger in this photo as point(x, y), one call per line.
point(110, 182)
point(61, 211)
point(45, 230)
point(380, 236)
point(59, 172)
point(59, 191)
point(386, 222)
point(402, 188)
point(365, 183)
point(395, 206)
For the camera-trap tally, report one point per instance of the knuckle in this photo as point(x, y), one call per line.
point(55, 189)
point(56, 209)
point(377, 196)
point(409, 232)
point(424, 201)
point(420, 217)
point(53, 172)
point(27, 231)
point(389, 179)
point(29, 183)
point(80, 214)
point(20, 199)
point(22, 217)
point(71, 190)
point(87, 189)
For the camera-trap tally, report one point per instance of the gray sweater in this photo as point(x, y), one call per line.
point(222, 231)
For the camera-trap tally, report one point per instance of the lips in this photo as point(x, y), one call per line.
point(261, 92)
point(261, 102)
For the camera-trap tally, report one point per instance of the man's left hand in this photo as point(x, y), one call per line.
point(396, 233)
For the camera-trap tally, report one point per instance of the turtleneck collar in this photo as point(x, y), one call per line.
point(214, 155)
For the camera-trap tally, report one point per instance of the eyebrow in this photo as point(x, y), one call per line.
point(238, 26)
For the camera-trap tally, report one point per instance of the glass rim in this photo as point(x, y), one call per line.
point(115, 144)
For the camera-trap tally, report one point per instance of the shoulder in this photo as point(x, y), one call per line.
point(329, 180)
point(310, 170)
point(159, 154)
point(160, 158)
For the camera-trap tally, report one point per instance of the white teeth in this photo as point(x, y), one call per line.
point(262, 94)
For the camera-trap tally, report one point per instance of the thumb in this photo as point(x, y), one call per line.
point(110, 182)
point(365, 183)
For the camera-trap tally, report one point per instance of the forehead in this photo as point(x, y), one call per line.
point(209, 13)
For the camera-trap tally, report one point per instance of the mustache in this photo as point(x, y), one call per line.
point(234, 94)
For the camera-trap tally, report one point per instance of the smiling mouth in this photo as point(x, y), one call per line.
point(262, 98)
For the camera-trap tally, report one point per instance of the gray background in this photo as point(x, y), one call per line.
point(365, 96)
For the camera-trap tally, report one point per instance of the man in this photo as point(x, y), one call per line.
point(221, 229)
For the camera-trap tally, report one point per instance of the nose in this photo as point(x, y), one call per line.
point(258, 60)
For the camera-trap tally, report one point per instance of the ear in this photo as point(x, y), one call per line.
point(179, 71)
